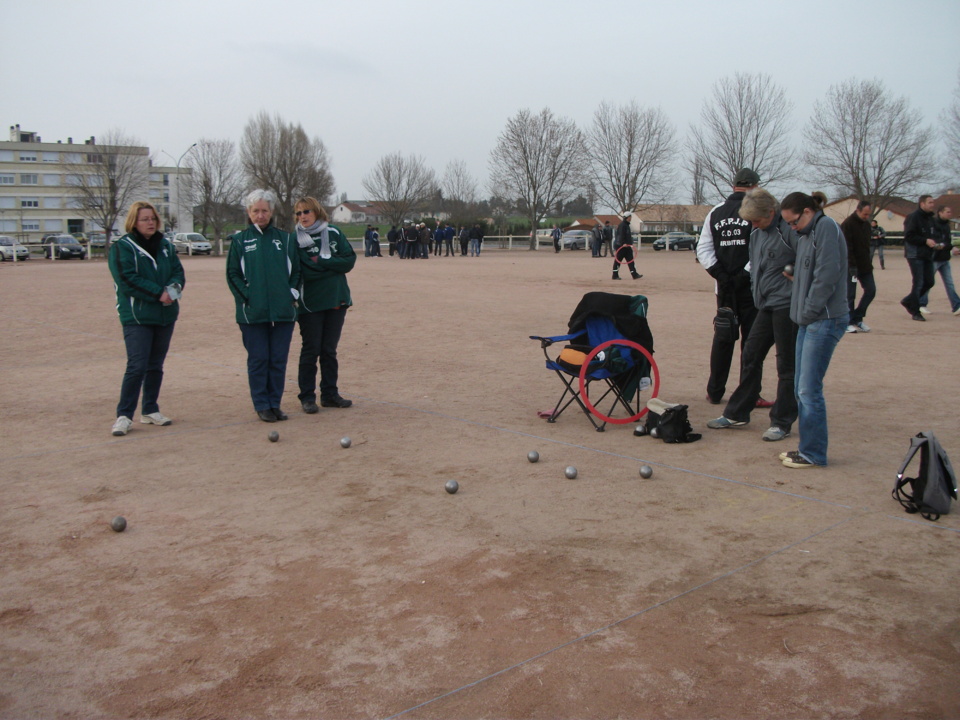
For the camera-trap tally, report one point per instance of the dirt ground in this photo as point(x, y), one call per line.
point(299, 579)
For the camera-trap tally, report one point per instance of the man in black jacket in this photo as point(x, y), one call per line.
point(920, 235)
point(724, 253)
point(856, 231)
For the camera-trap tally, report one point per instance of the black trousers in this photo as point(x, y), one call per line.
point(737, 296)
point(625, 253)
point(770, 328)
point(320, 332)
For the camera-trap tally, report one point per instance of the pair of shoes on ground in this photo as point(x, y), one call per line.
point(635, 276)
point(793, 459)
point(123, 424)
point(272, 415)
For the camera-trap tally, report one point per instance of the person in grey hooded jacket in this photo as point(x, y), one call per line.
point(818, 305)
point(772, 251)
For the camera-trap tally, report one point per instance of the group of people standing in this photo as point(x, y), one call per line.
point(927, 246)
point(781, 281)
point(417, 241)
point(277, 279)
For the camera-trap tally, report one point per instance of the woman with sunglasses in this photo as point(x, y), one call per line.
point(325, 259)
point(818, 305)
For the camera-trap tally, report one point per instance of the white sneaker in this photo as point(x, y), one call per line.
point(155, 419)
point(957, 311)
point(863, 327)
point(852, 328)
point(122, 426)
point(923, 310)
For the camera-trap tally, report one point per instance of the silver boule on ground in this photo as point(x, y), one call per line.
point(452, 486)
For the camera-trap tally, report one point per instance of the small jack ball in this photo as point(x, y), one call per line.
point(345, 442)
point(646, 471)
point(119, 523)
point(274, 436)
point(533, 456)
point(570, 472)
point(452, 486)
point(788, 269)
point(654, 433)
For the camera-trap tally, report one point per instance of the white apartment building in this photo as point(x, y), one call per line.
point(38, 182)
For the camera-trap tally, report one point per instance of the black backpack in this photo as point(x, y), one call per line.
point(931, 491)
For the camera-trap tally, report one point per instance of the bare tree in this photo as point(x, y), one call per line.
point(217, 183)
point(400, 185)
point(866, 143)
point(279, 156)
point(109, 177)
point(632, 151)
point(698, 194)
point(746, 123)
point(460, 193)
point(950, 122)
point(538, 160)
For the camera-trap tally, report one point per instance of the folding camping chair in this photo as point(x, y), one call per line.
point(609, 345)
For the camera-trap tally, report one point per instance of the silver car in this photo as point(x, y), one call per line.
point(191, 243)
point(9, 246)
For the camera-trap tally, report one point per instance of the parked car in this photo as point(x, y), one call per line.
point(66, 247)
point(575, 239)
point(9, 246)
point(675, 241)
point(192, 243)
point(82, 237)
point(98, 240)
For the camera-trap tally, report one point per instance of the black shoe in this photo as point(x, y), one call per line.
point(919, 317)
point(279, 414)
point(266, 415)
point(336, 401)
point(310, 407)
point(636, 276)
point(615, 277)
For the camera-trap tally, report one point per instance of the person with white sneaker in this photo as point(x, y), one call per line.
point(856, 231)
point(148, 278)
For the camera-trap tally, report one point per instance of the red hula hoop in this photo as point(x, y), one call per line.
point(583, 380)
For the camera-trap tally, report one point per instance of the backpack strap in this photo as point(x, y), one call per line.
point(908, 498)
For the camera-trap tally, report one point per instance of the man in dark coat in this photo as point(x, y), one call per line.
point(856, 231)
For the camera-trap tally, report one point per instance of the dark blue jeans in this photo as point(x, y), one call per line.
point(921, 272)
point(320, 332)
point(268, 345)
point(859, 312)
point(147, 347)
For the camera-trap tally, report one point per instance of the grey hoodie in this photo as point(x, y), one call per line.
point(770, 250)
point(820, 275)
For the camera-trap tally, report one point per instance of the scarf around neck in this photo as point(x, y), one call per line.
point(305, 237)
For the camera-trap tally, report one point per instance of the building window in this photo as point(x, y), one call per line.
point(29, 202)
point(28, 156)
point(51, 180)
point(28, 179)
point(52, 202)
point(53, 225)
point(73, 180)
point(166, 179)
point(7, 203)
point(51, 157)
point(7, 179)
point(30, 226)
point(71, 157)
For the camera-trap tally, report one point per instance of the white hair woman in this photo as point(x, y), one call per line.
point(263, 273)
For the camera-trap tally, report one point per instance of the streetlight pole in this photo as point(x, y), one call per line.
point(179, 200)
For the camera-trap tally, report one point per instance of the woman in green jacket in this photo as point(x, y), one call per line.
point(263, 273)
point(325, 259)
point(148, 278)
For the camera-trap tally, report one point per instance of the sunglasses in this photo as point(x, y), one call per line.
point(302, 212)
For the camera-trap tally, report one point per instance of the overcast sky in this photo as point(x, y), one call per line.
point(440, 78)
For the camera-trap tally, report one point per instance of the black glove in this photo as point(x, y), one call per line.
point(719, 274)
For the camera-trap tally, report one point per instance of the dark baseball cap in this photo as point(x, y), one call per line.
point(746, 178)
